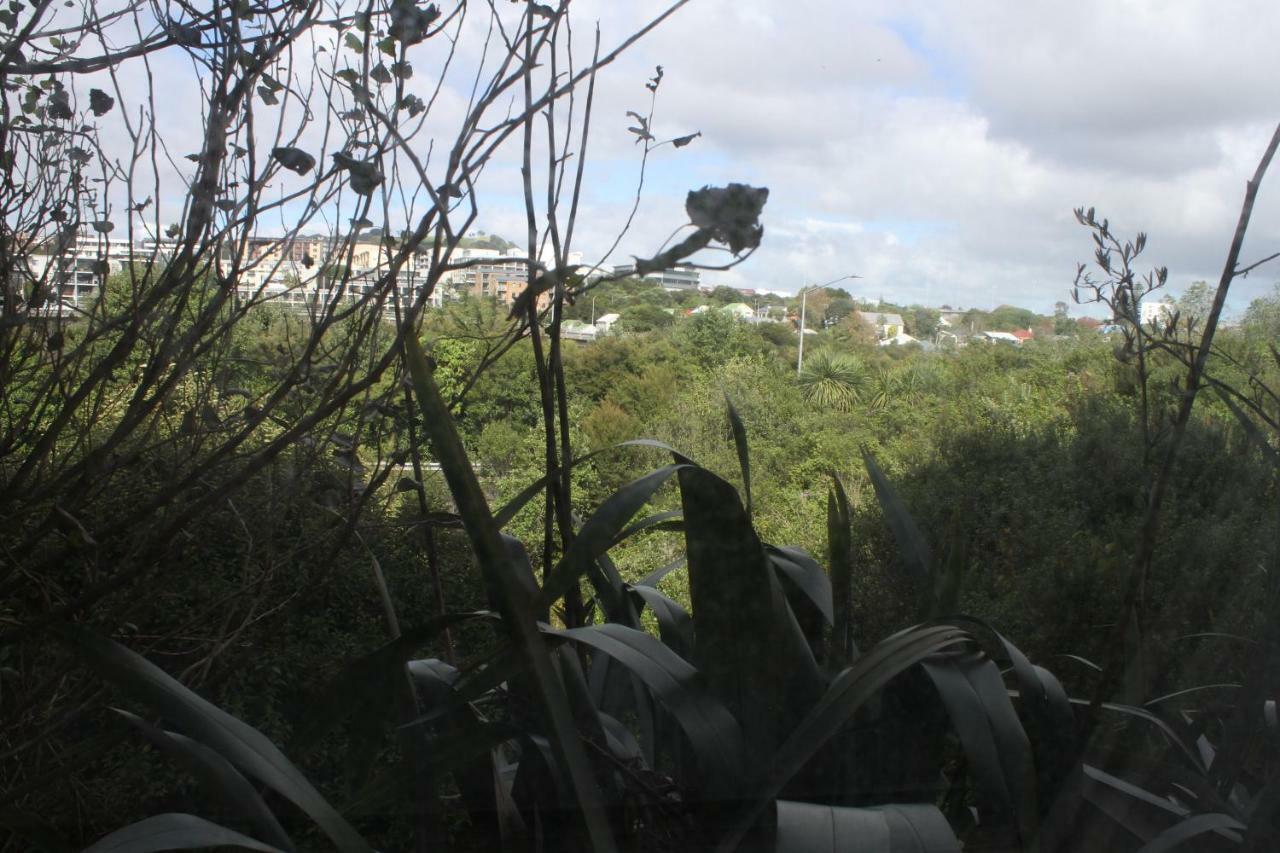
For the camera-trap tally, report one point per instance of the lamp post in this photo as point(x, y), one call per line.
point(804, 294)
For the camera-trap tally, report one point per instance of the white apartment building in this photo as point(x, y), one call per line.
point(304, 271)
point(680, 277)
point(67, 273)
point(299, 272)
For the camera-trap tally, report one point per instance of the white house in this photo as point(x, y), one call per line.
point(887, 325)
point(576, 330)
point(606, 322)
point(900, 339)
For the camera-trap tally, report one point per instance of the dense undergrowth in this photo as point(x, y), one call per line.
point(1023, 470)
point(369, 575)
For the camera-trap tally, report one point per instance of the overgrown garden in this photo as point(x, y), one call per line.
point(377, 575)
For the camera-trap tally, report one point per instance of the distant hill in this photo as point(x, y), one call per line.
point(486, 241)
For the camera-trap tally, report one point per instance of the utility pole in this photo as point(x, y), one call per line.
point(800, 358)
point(804, 293)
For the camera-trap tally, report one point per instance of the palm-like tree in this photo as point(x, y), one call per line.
point(835, 380)
point(881, 389)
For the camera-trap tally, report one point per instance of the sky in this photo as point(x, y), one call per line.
point(935, 149)
point(938, 149)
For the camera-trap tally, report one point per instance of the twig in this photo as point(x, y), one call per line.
point(1134, 604)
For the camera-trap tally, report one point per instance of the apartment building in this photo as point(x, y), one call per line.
point(300, 272)
point(680, 277)
point(65, 273)
point(306, 270)
point(489, 273)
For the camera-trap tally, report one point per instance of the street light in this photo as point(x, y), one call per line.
point(804, 294)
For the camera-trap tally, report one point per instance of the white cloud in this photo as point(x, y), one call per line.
point(951, 165)
point(936, 148)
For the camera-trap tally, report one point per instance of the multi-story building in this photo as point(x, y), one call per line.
point(302, 271)
point(66, 272)
point(489, 273)
point(680, 277)
point(71, 270)
point(310, 270)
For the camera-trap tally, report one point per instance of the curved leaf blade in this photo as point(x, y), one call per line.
point(517, 607)
point(175, 832)
point(807, 575)
point(998, 749)
point(848, 692)
point(218, 776)
point(675, 625)
point(653, 578)
point(237, 741)
point(807, 590)
point(749, 646)
point(598, 531)
point(713, 733)
point(509, 510)
point(1050, 719)
point(744, 451)
point(1192, 827)
point(916, 554)
point(667, 520)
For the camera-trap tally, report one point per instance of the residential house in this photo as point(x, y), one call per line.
point(900, 339)
point(886, 325)
point(957, 321)
point(576, 330)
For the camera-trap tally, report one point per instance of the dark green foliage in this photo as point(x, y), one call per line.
point(835, 380)
point(511, 585)
point(714, 337)
point(599, 533)
point(736, 677)
point(841, 560)
point(233, 740)
point(646, 317)
point(1018, 467)
point(749, 645)
point(1007, 318)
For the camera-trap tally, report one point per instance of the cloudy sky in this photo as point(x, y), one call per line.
point(939, 148)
